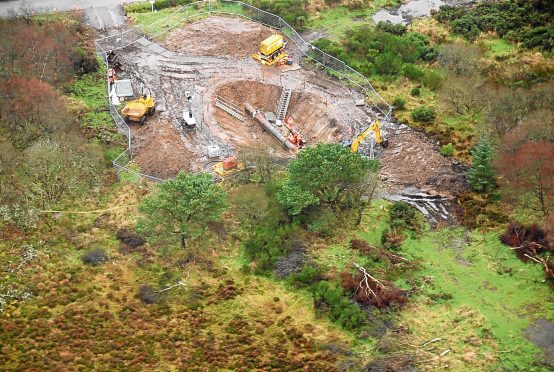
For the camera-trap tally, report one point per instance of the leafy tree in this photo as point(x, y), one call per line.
point(323, 174)
point(531, 169)
point(481, 175)
point(182, 206)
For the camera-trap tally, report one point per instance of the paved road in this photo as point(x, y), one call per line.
point(101, 14)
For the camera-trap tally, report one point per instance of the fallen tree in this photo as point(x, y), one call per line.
point(530, 244)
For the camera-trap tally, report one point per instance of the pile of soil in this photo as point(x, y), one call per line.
point(411, 160)
point(219, 36)
point(310, 112)
point(159, 150)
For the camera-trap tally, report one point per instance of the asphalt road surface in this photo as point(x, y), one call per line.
point(102, 14)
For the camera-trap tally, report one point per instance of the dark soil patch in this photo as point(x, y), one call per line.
point(541, 333)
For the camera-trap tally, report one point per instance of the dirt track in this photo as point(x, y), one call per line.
point(228, 37)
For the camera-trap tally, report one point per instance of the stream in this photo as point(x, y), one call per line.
point(414, 9)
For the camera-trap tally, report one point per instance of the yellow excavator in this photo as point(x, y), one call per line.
point(375, 127)
point(272, 50)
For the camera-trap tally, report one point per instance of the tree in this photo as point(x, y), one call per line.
point(531, 169)
point(55, 170)
point(31, 111)
point(183, 207)
point(324, 174)
point(364, 189)
point(481, 176)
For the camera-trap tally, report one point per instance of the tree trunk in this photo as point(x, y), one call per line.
point(183, 242)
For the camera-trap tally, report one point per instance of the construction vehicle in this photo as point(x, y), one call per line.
point(272, 50)
point(137, 109)
point(294, 137)
point(374, 128)
point(189, 121)
point(227, 167)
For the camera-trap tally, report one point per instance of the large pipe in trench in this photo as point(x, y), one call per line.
point(268, 127)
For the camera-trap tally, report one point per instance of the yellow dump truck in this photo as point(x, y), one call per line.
point(272, 50)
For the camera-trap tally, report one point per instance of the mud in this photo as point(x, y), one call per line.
point(219, 36)
point(315, 121)
point(413, 160)
point(159, 150)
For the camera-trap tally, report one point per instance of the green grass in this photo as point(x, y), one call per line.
point(336, 21)
point(499, 46)
point(481, 274)
point(164, 20)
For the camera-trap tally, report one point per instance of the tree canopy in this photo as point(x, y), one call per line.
point(323, 174)
point(182, 206)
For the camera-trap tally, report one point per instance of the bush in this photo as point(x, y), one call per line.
point(448, 150)
point(467, 27)
point(95, 257)
point(145, 7)
point(268, 243)
point(423, 114)
point(331, 299)
point(388, 63)
point(416, 91)
point(308, 276)
point(399, 103)
point(403, 215)
point(412, 72)
point(323, 222)
point(391, 28)
point(392, 240)
point(432, 80)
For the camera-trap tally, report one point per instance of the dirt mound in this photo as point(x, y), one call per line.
point(219, 36)
point(311, 114)
point(411, 160)
point(159, 150)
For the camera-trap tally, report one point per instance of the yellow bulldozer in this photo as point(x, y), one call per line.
point(272, 50)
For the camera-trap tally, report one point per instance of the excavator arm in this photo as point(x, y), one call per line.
point(374, 127)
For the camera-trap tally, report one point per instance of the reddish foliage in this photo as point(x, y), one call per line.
point(362, 246)
point(31, 109)
point(46, 52)
point(531, 168)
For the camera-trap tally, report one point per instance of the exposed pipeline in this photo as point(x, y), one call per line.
point(268, 127)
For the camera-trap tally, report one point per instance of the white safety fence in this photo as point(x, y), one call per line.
point(123, 39)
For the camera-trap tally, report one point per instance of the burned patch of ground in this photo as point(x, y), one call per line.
point(229, 37)
point(159, 150)
point(312, 114)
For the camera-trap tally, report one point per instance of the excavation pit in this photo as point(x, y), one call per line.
point(313, 116)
